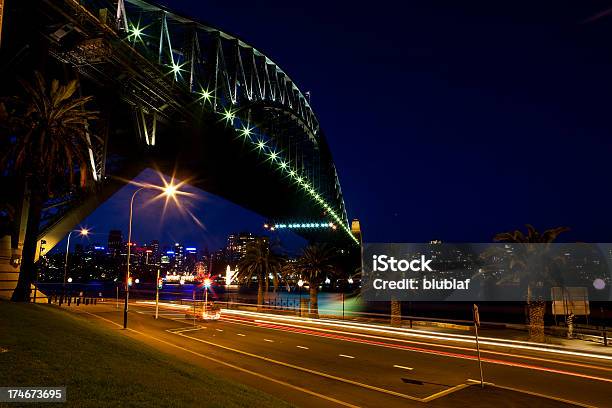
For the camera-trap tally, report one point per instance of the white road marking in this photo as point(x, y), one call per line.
point(240, 334)
point(161, 313)
point(174, 331)
point(303, 347)
point(344, 380)
point(271, 341)
point(404, 367)
point(345, 356)
point(219, 329)
point(423, 334)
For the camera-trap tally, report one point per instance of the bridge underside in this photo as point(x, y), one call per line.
point(150, 120)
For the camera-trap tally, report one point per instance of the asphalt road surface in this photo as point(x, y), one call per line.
point(335, 363)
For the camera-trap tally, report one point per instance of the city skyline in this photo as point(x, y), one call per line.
point(206, 221)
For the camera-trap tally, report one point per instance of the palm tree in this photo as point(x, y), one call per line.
point(315, 264)
point(260, 263)
point(45, 130)
point(525, 258)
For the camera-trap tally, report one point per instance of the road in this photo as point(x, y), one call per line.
point(335, 363)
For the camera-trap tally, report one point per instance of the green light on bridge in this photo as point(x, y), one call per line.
point(135, 32)
point(205, 95)
point(246, 131)
point(229, 115)
point(301, 225)
point(176, 69)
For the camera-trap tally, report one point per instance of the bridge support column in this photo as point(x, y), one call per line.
point(147, 126)
point(9, 268)
point(11, 247)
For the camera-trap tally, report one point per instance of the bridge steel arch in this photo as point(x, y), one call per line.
point(171, 69)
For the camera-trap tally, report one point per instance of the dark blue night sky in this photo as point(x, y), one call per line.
point(447, 120)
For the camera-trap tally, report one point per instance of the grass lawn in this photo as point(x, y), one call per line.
point(43, 346)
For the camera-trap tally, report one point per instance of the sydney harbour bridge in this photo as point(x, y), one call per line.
point(188, 99)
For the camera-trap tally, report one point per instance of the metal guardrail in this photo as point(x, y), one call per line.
point(72, 300)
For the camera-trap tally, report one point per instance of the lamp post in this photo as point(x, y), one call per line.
point(170, 191)
point(129, 251)
point(300, 284)
point(83, 232)
point(158, 284)
point(350, 282)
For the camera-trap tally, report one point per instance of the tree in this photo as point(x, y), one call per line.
point(530, 260)
point(313, 266)
point(260, 263)
point(45, 131)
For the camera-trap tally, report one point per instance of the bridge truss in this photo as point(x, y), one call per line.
point(166, 66)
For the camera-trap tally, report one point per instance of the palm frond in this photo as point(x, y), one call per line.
point(50, 123)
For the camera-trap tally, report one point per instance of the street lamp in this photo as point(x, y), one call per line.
point(169, 190)
point(83, 232)
point(206, 286)
point(158, 285)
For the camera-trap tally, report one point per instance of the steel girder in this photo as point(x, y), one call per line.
point(164, 64)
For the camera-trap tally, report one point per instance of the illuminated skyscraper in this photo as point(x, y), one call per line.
point(179, 255)
point(237, 244)
point(115, 242)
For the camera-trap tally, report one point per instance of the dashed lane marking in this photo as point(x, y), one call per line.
point(404, 367)
point(235, 367)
